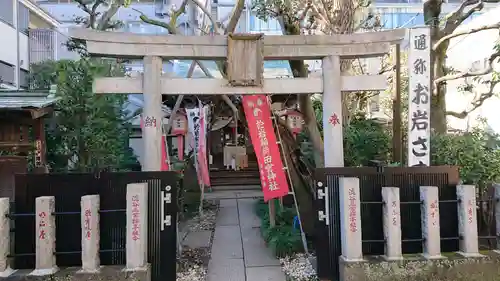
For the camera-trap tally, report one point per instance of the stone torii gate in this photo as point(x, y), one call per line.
point(245, 54)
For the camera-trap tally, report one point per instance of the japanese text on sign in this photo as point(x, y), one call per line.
point(136, 223)
point(434, 212)
point(470, 212)
point(195, 116)
point(38, 153)
point(86, 224)
point(395, 213)
point(419, 98)
point(272, 174)
point(353, 227)
point(42, 231)
point(150, 122)
point(267, 170)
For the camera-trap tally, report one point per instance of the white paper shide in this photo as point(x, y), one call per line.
point(419, 99)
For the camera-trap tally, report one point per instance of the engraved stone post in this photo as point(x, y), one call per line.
point(467, 220)
point(137, 223)
point(429, 195)
point(45, 236)
point(5, 270)
point(350, 219)
point(392, 223)
point(497, 213)
point(332, 112)
point(90, 205)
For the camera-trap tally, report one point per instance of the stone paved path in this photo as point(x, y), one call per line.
point(238, 251)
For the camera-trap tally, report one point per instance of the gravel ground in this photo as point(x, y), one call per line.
point(206, 221)
point(193, 263)
point(298, 268)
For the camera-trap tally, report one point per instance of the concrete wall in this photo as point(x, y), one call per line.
point(8, 52)
point(415, 267)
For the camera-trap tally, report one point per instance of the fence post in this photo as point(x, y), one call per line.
point(90, 205)
point(467, 220)
point(137, 223)
point(392, 223)
point(5, 270)
point(497, 213)
point(350, 219)
point(429, 196)
point(45, 236)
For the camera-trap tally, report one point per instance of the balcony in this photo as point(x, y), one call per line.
point(48, 44)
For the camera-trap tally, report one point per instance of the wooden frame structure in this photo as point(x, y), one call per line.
point(245, 54)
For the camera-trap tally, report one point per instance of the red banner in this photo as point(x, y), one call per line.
point(272, 175)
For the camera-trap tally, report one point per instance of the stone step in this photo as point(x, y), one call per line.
point(234, 181)
point(233, 194)
point(236, 187)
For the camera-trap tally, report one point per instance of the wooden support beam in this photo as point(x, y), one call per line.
point(40, 112)
point(277, 86)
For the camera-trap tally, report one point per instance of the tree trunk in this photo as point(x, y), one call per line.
point(438, 101)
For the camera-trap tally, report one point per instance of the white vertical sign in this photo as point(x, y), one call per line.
point(419, 97)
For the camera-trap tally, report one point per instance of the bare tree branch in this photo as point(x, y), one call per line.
point(465, 32)
point(235, 16)
point(172, 28)
point(109, 14)
point(209, 16)
point(455, 18)
point(476, 103)
point(488, 69)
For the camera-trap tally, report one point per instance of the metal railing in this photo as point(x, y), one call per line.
point(48, 44)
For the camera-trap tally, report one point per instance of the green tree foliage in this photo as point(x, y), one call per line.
point(88, 131)
point(364, 139)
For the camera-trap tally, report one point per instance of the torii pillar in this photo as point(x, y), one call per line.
point(153, 117)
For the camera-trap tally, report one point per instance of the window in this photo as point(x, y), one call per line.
point(7, 73)
point(7, 12)
point(271, 26)
point(24, 18)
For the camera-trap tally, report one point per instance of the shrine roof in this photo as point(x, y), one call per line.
point(25, 100)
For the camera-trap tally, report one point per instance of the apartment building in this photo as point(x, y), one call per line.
point(24, 29)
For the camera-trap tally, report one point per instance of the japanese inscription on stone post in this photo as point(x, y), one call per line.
point(419, 97)
point(88, 229)
point(135, 218)
point(42, 225)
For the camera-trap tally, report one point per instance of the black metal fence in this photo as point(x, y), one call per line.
point(68, 190)
point(372, 180)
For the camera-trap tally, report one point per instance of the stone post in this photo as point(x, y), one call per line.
point(332, 112)
point(45, 236)
point(392, 223)
point(90, 205)
point(497, 213)
point(5, 270)
point(467, 220)
point(152, 113)
point(137, 223)
point(350, 219)
point(429, 195)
